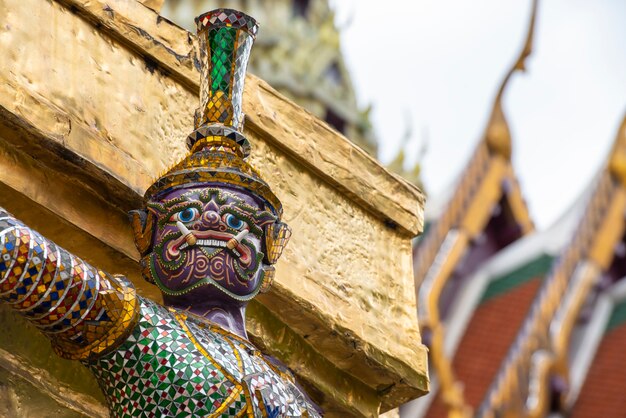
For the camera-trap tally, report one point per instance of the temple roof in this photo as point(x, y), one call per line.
point(501, 289)
point(479, 216)
point(581, 248)
point(518, 306)
point(601, 365)
point(550, 272)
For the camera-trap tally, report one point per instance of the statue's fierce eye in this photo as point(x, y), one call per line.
point(233, 222)
point(186, 215)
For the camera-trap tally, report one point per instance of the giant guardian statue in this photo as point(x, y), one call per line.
point(209, 236)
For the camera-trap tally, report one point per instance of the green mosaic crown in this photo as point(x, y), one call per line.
point(225, 37)
point(218, 149)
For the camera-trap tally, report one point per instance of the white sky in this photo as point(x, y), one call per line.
point(437, 64)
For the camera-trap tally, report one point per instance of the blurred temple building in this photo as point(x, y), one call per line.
point(297, 52)
point(522, 323)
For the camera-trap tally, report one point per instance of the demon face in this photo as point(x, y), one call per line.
point(231, 250)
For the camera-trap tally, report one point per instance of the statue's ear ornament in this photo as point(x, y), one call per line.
point(268, 278)
point(146, 273)
point(277, 235)
point(142, 222)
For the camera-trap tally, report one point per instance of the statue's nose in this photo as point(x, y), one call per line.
point(211, 220)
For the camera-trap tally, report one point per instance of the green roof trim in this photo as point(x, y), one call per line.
point(503, 284)
point(618, 317)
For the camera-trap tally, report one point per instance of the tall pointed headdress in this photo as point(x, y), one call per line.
point(218, 148)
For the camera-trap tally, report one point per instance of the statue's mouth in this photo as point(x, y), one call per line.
point(213, 239)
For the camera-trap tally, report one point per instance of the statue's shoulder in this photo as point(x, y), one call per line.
point(186, 361)
point(163, 368)
point(270, 384)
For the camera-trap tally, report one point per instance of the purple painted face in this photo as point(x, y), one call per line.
point(210, 267)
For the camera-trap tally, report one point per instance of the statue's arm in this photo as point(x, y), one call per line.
point(84, 311)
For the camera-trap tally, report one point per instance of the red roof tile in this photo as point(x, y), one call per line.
point(602, 394)
point(486, 342)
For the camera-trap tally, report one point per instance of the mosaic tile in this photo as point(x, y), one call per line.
point(176, 365)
